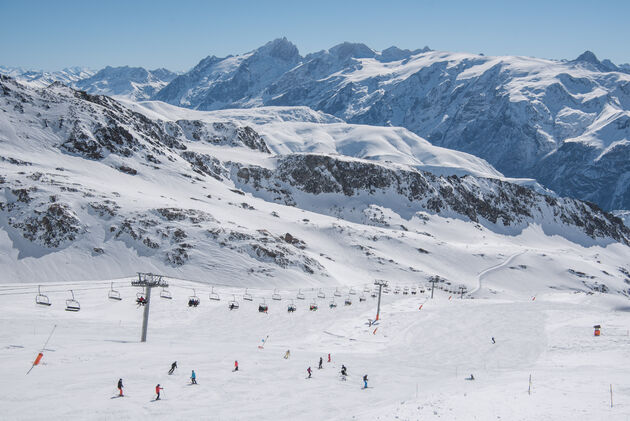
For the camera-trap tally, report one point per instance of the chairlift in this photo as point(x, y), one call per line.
point(332, 304)
point(299, 295)
point(366, 289)
point(291, 307)
point(193, 300)
point(320, 294)
point(213, 295)
point(313, 306)
point(337, 293)
point(41, 299)
point(166, 294)
point(373, 294)
point(352, 291)
point(414, 291)
point(113, 294)
point(233, 305)
point(421, 290)
point(72, 304)
point(397, 290)
point(141, 300)
point(406, 291)
point(247, 296)
point(263, 307)
point(348, 301)
point(275, 295)
point(362, 298)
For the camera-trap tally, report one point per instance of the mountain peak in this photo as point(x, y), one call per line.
point(588, 57)
point(347, 50)
point(280, 48)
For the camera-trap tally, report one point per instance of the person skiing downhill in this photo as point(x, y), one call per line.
point(321, 362)
point(120, 387)
point(173, 367)
point(193, 378)
point(328, 357)
point(157, 391)
point(344, 372)
point(287, 354)
point(493, 341)
point(235, 365)
point(365, 380)
point(308, 370)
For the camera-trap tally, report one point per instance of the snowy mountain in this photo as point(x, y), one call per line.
point(560, 122)
point(134, 83)
point(42, 79)
point(86, 178)
point(130, 82)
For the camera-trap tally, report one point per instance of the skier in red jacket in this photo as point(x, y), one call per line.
point(157, 391)
point(235, 365)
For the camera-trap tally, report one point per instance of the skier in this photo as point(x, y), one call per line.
point(193, 378)
point(365, 379)
point(287, 354)
point(471, 377)
point(173, 367)
point(321, 361)
point(120, 387)
point(308, 370)
point(157, 391)
point(235, 365)
point(328, 357)
point(344, 372)
point(493, 341)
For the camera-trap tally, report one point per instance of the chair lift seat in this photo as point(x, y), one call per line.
point(247, 296)
point(321, 294)
point(42, 299)
point(72, 304)
point(276, 296)
point(214, 296)
point(166, 294)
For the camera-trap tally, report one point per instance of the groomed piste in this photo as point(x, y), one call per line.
point(417, 356)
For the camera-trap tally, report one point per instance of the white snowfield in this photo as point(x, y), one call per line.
point(416, 359)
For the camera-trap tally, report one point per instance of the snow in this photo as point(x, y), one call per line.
point(416, 360)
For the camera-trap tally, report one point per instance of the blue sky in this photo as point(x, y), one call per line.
point(51, 35)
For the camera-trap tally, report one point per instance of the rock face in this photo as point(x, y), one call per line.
point(487, 201)
point(528, 117)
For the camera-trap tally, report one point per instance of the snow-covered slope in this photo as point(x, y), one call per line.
point(85, 178)
point(300, 129)
point(560, 122)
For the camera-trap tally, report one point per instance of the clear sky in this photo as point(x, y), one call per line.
point(176, 34)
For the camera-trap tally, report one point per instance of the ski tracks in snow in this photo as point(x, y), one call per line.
point(495, 267)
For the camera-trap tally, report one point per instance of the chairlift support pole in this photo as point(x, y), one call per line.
point(433, 281)
point(148, 281)
point(462, 289)
point(380, 284)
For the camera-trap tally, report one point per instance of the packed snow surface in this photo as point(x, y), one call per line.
point(417, 357)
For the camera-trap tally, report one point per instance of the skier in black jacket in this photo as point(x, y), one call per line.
point(173, 367)
point(120, 387)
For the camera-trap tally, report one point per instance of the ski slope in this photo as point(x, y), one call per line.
point(416, 360)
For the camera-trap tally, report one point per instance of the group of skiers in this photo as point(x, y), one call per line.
point(344, 369)
point(158, 388)
point(287, 355)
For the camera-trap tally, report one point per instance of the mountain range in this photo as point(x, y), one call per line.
point(564, 123)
